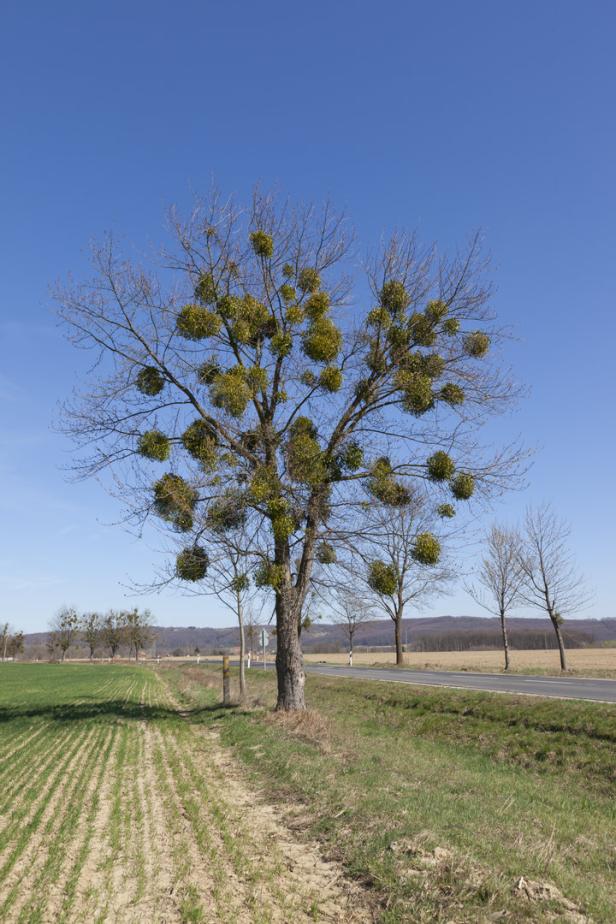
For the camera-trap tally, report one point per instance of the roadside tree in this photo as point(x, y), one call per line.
point(242, 368)
point(350, 610)
point(500, 578)
point(551, 581)
point(399, 559)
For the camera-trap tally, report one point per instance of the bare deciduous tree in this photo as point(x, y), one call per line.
point(113, 631)
point(239, 362)
point(137, 629)
point(64, 630)
point(4, 639)
point(550, 580)
point(351, 610)
point(499, 579)
point(91, 626)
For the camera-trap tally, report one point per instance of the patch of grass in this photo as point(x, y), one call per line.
point(439, 799)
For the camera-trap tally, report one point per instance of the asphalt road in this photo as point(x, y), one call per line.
point(603, 691)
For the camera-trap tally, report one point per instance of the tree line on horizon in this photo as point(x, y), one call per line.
point(111, 631)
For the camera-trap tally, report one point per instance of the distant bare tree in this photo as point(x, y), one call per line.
point(16, 644)
point(64, 629)
point(550, 580)
point(91, 627)
point(499, 579)
point(113, 631)
point(5, 635)
point(137, 629)
point(350, 609)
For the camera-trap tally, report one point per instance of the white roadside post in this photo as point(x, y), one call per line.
point(263, 645)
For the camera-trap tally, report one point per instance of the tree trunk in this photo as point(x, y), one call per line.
point(240, 620)
point(505, 640)
point(561, 643)
point(397, 636)
point(289, 657)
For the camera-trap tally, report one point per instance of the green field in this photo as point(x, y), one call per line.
point(116, 805)
point(439, 799)
point(128, 794)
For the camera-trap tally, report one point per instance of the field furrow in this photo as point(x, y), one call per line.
point(117, 806)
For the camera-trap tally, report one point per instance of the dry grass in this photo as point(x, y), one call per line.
point(310, 726)
point(581, 660)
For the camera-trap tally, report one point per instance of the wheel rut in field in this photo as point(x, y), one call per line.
point(277, 878)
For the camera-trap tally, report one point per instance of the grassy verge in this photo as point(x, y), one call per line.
point(440, 800)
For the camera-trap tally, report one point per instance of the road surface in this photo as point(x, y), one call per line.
point(603, 691)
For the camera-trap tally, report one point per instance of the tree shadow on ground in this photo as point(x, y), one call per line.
point(114, 710)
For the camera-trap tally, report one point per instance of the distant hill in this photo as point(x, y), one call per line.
point(432, 633)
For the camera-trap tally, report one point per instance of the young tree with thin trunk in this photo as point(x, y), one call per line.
point(91, 628)
point(218, 563)
point(499, 578)
point(550, 580)
point(243, 366)
point(64, 629)
point(402, 560)
point(351, 610)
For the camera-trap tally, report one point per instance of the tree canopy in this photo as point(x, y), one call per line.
point(250, 377)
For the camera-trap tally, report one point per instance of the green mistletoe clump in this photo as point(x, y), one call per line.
point(154, 445)
point(197, 323)
point(262, 244)
point(426, 549)
point(322, 341)
point(326, 553)
point(382, 578)
point(175, 501)
point(199, 442)
point(476, 344)
point(192, 564)
point(463, 486)
point(149, 381)
point(441, 466)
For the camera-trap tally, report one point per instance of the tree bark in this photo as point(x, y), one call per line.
point(505, 640)
point(289, 657)
point(561, 643)
point(398, 639)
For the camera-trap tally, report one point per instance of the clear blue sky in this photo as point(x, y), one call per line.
point(445, 116)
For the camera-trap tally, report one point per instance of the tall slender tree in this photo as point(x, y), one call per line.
point(550, 580)
point(244, 365)
point(350, 609)
point(500, 578)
